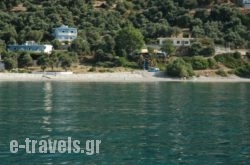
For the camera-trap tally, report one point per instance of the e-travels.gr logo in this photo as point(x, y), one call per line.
point(53, 146)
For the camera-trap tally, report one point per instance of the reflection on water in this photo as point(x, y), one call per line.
point(141, 123)
point(48, 96)
point(46, 119)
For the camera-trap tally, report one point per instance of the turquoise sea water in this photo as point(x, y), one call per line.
point(137, 123)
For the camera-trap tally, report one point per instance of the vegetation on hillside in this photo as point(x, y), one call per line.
point(111, 28)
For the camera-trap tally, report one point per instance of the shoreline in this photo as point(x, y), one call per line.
point(136, 76)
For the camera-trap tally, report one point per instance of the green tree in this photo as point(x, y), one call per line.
point(202, 14)
point(108, 44)
point(168, 47)
point(99, 55)
point(80, 46)
point(175, 31)
point(25, 60)
point(43, 61)
point(179, 68)
point(198, 32)
point(212, 63)
point(3, 6)
point(2, 46)
point(199, 63)
point(183, 20)
point(129, 39)
point(9, 34)
point(204, 2)
point(195, 49)
point(190, 3)
point(56, 44)
point(213, 30)
point(243, 71)
point(34, 35)
point(53, 60)
point(10, 63)
point(93, 36)
point(66, 61)
point(208, 51)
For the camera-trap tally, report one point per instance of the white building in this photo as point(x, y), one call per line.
point(246, 3)
point(65, 33)
point(2, 66)
point(176, 41)
point(31, 46)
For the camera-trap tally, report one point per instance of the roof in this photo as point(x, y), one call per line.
point(175, 38)
point(64, 27)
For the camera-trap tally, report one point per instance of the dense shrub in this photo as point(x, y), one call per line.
point(243, 71)
point(123, 61)
point(230, 60)
point(92, 69)
point(105, 27)
point(179, 68)
point(105, 64)
point(25, 60)
point(199, 63)
point(248, 55)
point(207, 51)
point(10, 63)
point(187, 59)
point(212, 64)
point(221, 72)
point(198, 48)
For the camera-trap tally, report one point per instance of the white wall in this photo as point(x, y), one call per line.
point(2, 66)
point(177, 41)
point(48, 49)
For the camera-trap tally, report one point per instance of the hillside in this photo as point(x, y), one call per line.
point(32, 19)
point(99, 23)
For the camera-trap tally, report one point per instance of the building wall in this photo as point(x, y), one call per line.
point(31, 48)
point(65, 33)
point(48, 49)
point(2, 66)
point(177, 41)
point(181, 42)
point(246, 3)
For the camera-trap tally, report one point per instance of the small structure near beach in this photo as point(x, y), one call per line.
point(2, 66)
point(178, 40)
point(246, 4)
point(31, 46)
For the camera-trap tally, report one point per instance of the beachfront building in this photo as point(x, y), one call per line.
point(65, 33)
point(177, 42)
point(2, 66)
point(246, 4)
point(182, 39)
point(31, 46)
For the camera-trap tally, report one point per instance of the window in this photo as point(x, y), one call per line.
point(178, 42)
point(186, 42)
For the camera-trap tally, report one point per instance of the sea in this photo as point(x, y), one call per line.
point(156, 123)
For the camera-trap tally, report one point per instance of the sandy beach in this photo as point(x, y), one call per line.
point(137, 76)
